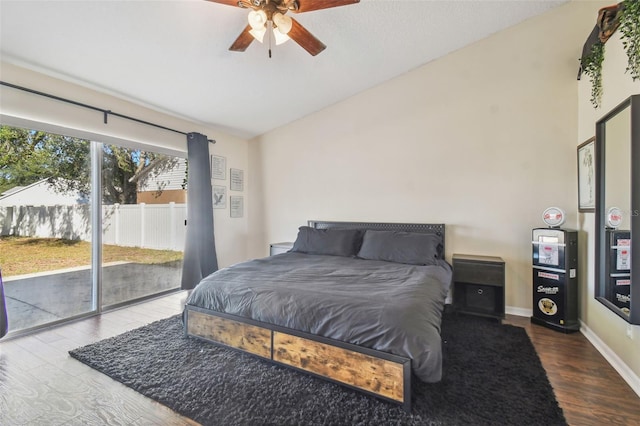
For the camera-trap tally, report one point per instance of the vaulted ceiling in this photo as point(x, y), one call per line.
point(173, 55)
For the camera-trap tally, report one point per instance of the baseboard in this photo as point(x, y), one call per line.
point(519, 312)
point(612, 358)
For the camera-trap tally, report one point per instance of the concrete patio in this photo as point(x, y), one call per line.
point(37, 299)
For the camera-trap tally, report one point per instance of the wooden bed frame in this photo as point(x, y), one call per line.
point(373, 372)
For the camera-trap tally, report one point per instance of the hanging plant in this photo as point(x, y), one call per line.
point(630, 29)
point(592, 66)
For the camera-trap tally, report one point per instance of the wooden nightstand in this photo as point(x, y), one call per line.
point(478, 285)
point(277, 248)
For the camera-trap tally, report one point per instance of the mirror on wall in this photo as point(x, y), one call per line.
point(618, 210)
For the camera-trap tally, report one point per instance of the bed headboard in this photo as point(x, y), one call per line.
point(425, 228)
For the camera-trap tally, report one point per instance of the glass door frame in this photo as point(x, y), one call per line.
point(96, 227)
point(96, 159)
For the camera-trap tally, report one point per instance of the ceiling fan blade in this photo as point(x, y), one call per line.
point(305, 39)
point(243, 41)
point(308, 5)
point(227, 2)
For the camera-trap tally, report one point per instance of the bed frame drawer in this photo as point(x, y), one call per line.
point(246, 337)
point(380, 376)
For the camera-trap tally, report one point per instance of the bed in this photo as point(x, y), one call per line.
point(359, 304)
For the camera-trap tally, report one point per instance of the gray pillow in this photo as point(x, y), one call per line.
point(333, 242)
point(412, 248)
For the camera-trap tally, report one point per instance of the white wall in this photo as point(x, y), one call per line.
point(606, 327)
point(482, 140)
point(18, 108)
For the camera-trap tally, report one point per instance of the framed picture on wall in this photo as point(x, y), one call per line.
point(236, 180)
point(218, 167)
point(587, 176)
point(236, 206)
point(219, 197)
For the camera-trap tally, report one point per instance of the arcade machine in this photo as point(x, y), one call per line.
point(555, 281)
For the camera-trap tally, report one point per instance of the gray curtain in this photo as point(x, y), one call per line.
point(4, 323)
point(200, 257)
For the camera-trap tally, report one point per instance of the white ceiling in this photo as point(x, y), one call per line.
point(173, 55)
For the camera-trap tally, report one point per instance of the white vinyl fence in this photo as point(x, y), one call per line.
point(155, 226)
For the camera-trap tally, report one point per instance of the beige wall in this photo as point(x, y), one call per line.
point(28, 110)
point(607, 327)
point(482, 140)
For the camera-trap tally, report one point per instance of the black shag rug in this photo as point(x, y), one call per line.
point(491, 376)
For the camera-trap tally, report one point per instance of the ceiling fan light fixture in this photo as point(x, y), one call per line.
point(282, 22)
point(257, 19)
point(265, 16)
point(258, 33)
point(279, 37)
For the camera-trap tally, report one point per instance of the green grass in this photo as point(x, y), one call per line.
point(20, 255)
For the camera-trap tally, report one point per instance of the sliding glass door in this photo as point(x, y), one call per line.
point(143, 221)
point(45, 227)
point(85, 226)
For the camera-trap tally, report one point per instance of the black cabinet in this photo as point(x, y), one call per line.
point(478, 285)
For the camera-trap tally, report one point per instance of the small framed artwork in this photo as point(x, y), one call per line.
point(218, 167)
point(236, 180)
point(236, 208)
point(587, 176)
point(219, 197)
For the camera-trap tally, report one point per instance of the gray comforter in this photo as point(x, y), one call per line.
point(390, 307)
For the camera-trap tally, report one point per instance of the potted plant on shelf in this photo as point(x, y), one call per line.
point(626, 16)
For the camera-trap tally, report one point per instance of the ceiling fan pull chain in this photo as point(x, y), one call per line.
point(270, 30)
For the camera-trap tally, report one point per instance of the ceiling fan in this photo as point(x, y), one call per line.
point(271, 15)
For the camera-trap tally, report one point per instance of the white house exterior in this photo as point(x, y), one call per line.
point(39, 194)
point(171, 179)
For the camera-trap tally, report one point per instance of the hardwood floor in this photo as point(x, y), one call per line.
point(587, 387)
point(41, 385)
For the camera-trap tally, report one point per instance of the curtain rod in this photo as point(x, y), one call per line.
point(105, 112)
